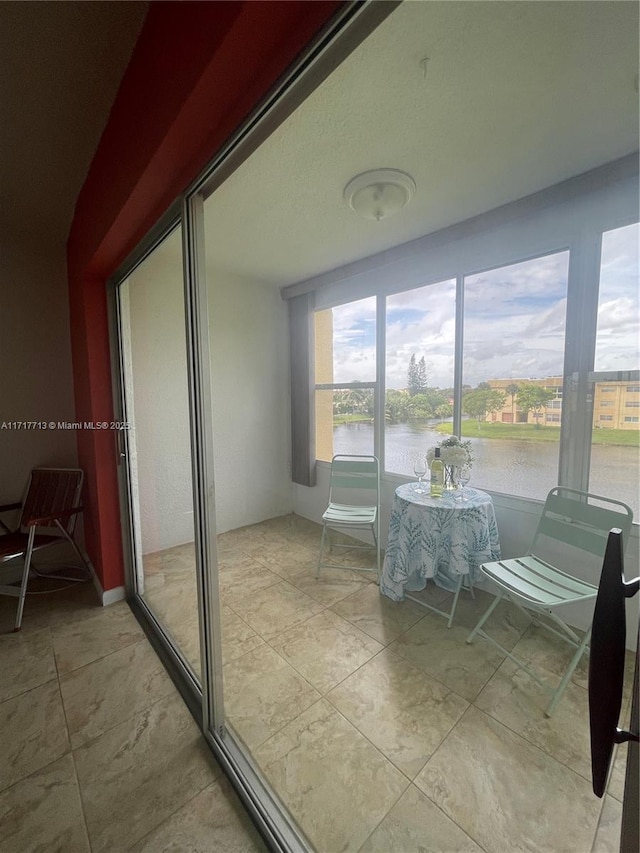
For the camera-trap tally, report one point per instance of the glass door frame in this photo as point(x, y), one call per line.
point(346, 30)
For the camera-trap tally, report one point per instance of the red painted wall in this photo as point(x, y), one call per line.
point(197, 70)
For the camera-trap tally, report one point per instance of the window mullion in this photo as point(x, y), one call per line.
point(580, 341)
point(458, 356)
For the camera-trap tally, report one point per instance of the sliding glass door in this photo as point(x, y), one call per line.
point(156, 447)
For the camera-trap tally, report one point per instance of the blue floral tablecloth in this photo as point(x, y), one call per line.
point(439, 538)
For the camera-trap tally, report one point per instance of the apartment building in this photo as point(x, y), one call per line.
point(616, 404)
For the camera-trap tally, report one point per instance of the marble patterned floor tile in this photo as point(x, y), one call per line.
point(238, 638)
point(255, 541)
point(74, 604)
point(377, 615)
point(35, 616)
point(33, 732)
point(27, 662)
point(242, 580)
point(263, 693)
point(43, 813)
point(326, 649)
point(234, 558)
point(332, 585)
point(434, 596)
point(275, 609)
point(106, 692)
point(214, 820)
point(443, 653)
point(416, 825)
point(79, 643)
point(547, 653)
point(174, 603)
point(513, 698)
point(337, 786)
point(399, 708)
point(186, 635)
point(507, 794)
point(618, 771)
point(290, 560)
point(607, 838)
point(506, 624)
point(137, 774)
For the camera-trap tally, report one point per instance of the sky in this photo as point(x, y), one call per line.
point(514, 323)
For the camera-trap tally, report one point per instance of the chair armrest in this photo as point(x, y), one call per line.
point(8, 507)
point(33, 522)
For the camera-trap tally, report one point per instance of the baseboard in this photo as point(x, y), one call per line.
point(111, 595)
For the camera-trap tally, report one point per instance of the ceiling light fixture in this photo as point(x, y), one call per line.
point(379, 193)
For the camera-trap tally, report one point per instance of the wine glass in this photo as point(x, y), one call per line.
point(464, 475)
point(420, 469)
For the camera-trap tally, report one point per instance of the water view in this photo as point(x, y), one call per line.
point(525, 468)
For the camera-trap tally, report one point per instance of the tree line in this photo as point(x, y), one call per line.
point(421, 401)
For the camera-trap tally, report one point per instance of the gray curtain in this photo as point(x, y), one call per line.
point(301, 342)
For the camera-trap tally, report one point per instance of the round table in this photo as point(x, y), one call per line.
point(443, 538)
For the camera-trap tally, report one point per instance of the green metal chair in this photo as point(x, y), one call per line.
point(353, 480)
point(582, 521)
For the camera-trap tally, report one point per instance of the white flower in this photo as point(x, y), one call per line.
point(453, 451)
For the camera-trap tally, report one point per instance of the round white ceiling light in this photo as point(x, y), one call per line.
point(379, 193)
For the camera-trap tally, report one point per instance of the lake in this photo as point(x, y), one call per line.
point(525, 468)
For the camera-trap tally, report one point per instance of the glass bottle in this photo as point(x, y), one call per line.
point(437, 475)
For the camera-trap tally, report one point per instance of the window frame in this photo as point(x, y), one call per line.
point(576, 225)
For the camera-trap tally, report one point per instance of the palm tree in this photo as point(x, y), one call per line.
point(512, 390)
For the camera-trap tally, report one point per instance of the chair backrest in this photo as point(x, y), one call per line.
point(582, 520)
point(50, 491)
point(354, 472)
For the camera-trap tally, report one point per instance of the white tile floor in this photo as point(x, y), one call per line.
point(380, 729)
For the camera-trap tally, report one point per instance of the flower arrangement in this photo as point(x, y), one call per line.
point(453, 451)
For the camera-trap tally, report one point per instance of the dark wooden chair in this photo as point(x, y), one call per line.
point(48, 517)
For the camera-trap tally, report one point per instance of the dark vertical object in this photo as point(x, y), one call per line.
point(301, 339)
point(630, 838)
point(606, 672)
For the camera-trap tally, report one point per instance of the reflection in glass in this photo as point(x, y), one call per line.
point(156, 389)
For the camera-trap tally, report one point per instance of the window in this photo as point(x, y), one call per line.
point(615, 452)
point(631, 420)
point(618, 331)
point(513, 352)
point(510, 356)
point(345, 369)
point(420, 345)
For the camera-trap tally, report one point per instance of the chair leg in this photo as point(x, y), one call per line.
point(490, 610)
point(25, 579)
point(455, 602)
point(324, 531)
point(567, 676)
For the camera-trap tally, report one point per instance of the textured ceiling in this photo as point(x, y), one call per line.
point(514, 97)
point(60, 67)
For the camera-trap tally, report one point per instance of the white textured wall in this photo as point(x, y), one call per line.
point(36, 381)
point(158, 368)
point(250, 401)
